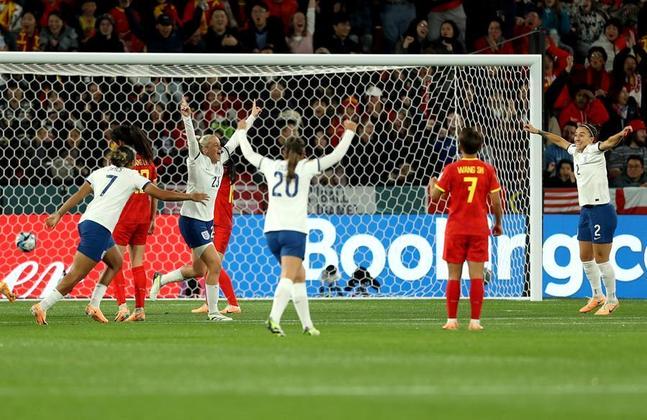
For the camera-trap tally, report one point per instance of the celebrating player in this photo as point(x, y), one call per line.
point(468, 183)
point(112, 187)
point(205, 164)
point(598, 218)
point(288, 182)
point(223, 223)
point(137, 221)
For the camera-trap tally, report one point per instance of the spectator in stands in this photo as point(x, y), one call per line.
point(122, 27)
point(316, 116)
point(165, 37)
point(340, 43)
point(415, 39)
point(105, 40)
point(595, 74)
point(554, 154)
point(611, 41)
point(3, 43)
point(57, 36)
point(397, 17)
point(634, 145)
point(622, 109)
point(86, 23)
point(522, 29)
point(442, 10)
point(27, 38)
point(449, 41)
point(555, 17)
point(631, 75)
point(564, 176)
point(320, 143)
point(221, 37)
point(164, 7)
point(264, 34)
point(301, 31)
point(584, 108)
point(283, 10)
point(587, 23)
point(493, 42)
point(633, 175)
point(10, 12)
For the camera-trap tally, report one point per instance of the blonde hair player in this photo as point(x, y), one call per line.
point(288, 184)
point(598, 218)
point(112, 187)
point(205, 165)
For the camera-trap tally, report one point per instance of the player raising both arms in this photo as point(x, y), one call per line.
point(112, 187)
point(288, 183)
point(137, 221)
point(598, 218)
point(205, 164)
point(468, 183)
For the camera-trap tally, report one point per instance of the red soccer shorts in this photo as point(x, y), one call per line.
point(221, 236)
point(129, 233)
point(461, 248)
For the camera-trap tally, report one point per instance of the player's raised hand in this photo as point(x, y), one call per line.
point(199, 197)
point(530, 128)
point(350, 125)
point(52, 220)
point(497, 230)
point(185, 110)
point(256, 109)
point(242, 124)
point(627, 130)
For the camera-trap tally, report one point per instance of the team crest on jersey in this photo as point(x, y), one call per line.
point(206, 235)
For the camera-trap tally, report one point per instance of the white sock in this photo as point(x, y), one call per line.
point(123, 306)
point(452, 319)
point(97, 295)
point(212, 298)
point(172, 277)
point(593, 274)
point(475, 321)
point(282, 295)
point(609, 279)
point(49, 301)
point(300, 300)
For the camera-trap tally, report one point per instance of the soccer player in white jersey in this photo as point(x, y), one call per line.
point(112, 187)
point(205, 165)
point(288, 184)
point(598, 218)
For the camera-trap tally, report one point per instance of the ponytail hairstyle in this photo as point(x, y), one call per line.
point(293, 150)
point(122, 157)
point(230, 167)
point(134, 137)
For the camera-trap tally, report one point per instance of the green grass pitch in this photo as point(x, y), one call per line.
point(374, 360)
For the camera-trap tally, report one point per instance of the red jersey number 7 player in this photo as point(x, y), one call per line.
point(468, 183)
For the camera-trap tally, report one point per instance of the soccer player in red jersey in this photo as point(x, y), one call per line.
point(468, 183)
point(223, 223)
point(136, 222)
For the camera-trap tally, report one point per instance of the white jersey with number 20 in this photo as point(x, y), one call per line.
point(591, 175)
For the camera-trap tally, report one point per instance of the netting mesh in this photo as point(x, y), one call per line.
point(370, 214)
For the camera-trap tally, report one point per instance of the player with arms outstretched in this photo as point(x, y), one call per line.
point(206, 168)
point(598, 218)
point(136, 222)
point(112, 187)
point(469, 183)
point(288, 183)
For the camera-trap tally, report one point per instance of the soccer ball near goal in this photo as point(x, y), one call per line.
point(26, 241)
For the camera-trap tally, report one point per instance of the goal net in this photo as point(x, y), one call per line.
point(370, 215)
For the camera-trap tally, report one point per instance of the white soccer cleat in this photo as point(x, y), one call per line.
point(218, 317)
point(155, 288)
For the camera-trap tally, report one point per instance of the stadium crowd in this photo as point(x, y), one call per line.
point(594, 55)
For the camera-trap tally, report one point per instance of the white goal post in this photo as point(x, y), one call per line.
point(496, 93)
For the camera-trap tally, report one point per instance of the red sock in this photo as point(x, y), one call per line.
point(139, 278)
point(227, 288)
point(119, 287)
point(476, 297)
point(453, 294)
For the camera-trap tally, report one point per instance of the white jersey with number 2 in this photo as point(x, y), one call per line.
point(112, 188)
point(591, 175)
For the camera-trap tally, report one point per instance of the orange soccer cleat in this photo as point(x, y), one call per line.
point(96, 314)
point(475, 326)
point(450, 325)
point(122, 314)
point(137, 316)
point(230, 309)
point(593, 303)
point(204, 309)
point(40, 316)
point(4, 289)
point(607, 308)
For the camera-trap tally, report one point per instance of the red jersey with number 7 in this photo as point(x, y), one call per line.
point(138, 207)
point(468, 182)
